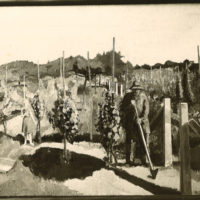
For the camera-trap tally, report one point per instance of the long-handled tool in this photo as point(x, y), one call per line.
point(152, 170)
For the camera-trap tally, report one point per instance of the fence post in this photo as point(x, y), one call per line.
point(6, 93)
point(167, 133)
point(116, 89)
point(185, 173)
point(91, 123)
point(121, 90)
point(24, 88)
point(99, 80)
point(109, 85)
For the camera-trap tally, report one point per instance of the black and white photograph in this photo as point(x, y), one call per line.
point(100, 100)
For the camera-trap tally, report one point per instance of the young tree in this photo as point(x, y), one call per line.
point(179, 89)
point(38, 108)
point(187, 90)
point(108, 125)
point(64, 116)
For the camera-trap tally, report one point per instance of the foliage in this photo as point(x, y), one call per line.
point(3, 119)
point(179, 89)
point(108, 125)
point(64, 116)
point(38, 108)
point(187, 90)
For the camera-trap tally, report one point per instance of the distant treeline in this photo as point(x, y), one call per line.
point(170, 64)
point(100, 64)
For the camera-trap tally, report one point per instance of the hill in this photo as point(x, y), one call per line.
point(101, 63)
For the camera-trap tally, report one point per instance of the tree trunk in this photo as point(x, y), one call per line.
point(5, 126)
point(39, 134)
point(64, 150)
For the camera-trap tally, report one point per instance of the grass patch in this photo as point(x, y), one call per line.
point(21, 182)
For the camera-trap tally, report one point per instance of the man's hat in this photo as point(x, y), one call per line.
point(136, 86)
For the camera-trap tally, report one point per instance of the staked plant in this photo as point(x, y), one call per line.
point(65, 117)
point(187, 89)
point(108, 126)
point(38, 107)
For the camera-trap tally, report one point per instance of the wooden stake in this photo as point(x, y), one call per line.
point(89, 70)
point(167, 133)
point(198, 57)
point(113, 68)
point(61, 69)
point(91, 124)
point(121, 91)
point(24, 88)
point(160, 73)
point(38, 76)
point(64, 74)
point(99, 79)
point(185, 171)
point(116, 89)
point(91, 121)
point(126, 79)
point(6, 81)
point(109, 85)
point(95, 84)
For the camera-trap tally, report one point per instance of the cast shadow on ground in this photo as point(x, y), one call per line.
point(48, 164)
point(78, 138)
point(151, 187)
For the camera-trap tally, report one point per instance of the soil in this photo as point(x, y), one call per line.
point(48, 163)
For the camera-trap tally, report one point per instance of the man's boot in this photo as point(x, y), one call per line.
point(133, 150)
point(128, 149)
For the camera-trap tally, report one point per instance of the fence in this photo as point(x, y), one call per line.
point(184, 131)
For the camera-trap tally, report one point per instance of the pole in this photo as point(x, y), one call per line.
point(160, 73)
point(6, 81)
point(24, 88)
point(167, 133)
point(198, 58)
point(38, 76)
point(113, 68)
point(63, 63)
point(185, 172)
point(89, 70)
point(126, 79)
point(63, 76)
point(116, 89)
point(121, 90)
point(89, 74)
point(95, 83)
point(60, 68)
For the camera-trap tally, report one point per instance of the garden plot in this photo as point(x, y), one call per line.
point(101, 180)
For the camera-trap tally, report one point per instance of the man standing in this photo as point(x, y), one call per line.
point(135, 99)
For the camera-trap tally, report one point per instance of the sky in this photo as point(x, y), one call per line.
point(144, 34)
